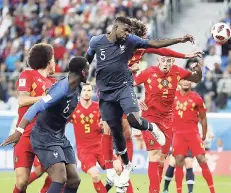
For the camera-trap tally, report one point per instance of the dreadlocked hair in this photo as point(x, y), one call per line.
point(138, 28)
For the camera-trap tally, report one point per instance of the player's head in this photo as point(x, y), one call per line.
point(121, 28)
point(79, 66)
point(165, 63)
point(87, 91)
point(138, 28)
point(41, 56)
point(185, 85)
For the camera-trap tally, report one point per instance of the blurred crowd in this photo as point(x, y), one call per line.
point(66, 24)
point(216, 85)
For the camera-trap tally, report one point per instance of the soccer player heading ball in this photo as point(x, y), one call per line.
point(115, 82)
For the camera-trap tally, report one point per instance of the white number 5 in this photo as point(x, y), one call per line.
point(102, 54)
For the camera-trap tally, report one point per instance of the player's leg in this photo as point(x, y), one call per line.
point(46, 185)
point(38, 170)
point(198, 150)
point(73, 179)
point(180, 148)
point(169, 173)
point(23, 160)
point(189, 172)
point(129, 104)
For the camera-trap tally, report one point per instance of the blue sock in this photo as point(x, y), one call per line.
point(168, 177)
point(190, 179)
point(70, 190)
point(55, 187)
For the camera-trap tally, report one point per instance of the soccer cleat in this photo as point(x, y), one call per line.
point(158, 134)
point(111, 175)
point(125, 175)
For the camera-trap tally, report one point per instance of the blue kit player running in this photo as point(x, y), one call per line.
point(48, 135)
point(115, 82)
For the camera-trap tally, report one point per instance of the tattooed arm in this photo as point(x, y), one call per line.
point(24, 99)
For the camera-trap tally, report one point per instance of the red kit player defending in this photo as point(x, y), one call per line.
point(88, 135)
point(189, 108)
point(160, 84)
point(31, 85)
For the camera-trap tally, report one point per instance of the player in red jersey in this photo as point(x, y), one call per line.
point(88, 135)
point(31, 85)
point(189, 109)
point(160, 84)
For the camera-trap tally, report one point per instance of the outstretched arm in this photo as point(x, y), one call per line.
point(203, 121)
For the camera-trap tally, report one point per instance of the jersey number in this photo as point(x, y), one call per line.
point(87, 128)
point(180, 113)
point(102, 54)
point(67, 107)
point(165, 93)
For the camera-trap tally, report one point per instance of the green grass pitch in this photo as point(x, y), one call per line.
point(140, 184)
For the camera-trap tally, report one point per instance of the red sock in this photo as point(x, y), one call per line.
point(161, 168)
point(46, 185)
point(16, 190)
point(99, 187)
point(179, 175)
point(207, 176)
point(107, 147)
point(153, 174)
point(130, 188)
point(129, 145)
point(33, 177)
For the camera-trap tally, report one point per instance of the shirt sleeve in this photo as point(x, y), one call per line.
point(201, 104)
point(164, 52)
point(24, 82)
point(142, 77)
point(52, 97)
point(91, 49)
point(184, 73)
point(137, 41)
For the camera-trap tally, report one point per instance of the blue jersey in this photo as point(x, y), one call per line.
point(53, 111)
point(112, 60)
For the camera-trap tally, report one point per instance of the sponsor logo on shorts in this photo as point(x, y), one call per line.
point(55, 153)
point(152, 142)
point(15, 159)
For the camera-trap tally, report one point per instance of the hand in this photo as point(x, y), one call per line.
point(143, 106)
point(187, 38)
point(12, 138)
point(134, 68)
point(194, 55)
point(203, 137)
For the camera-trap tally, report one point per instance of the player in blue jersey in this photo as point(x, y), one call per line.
point(115, 83)
point(48, 135)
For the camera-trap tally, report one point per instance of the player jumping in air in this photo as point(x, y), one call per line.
point(48, 135)
point(88, 135)
point(160, 84)
point(115, 82)
point(31, 86)
point(189, 108)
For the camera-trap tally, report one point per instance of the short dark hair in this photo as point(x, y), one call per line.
point(40, 55)
point(77, 64)
point(87, 84)
point(124, 20)
point(138, 27)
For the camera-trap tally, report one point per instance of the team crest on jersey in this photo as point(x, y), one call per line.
point(15, 159)
point(55, 153)
point(152, 142)
point(164, 83)
point(22, 82)
point(86, 119)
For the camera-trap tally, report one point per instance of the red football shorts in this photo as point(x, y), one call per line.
point(192, 141)
point(150, 141)
point(90, 156)
point(23, 153)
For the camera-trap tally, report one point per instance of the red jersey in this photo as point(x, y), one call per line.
point(160, 89)
point(160, 51)
point(86, 125)
point(186, 110)
point(33, 82)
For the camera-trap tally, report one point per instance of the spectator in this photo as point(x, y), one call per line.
point(211, 60)
point(11, 60)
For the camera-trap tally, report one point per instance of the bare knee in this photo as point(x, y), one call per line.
point(95, 176)
point(58, 173)
point(73, 179)
point(172, 161)
point(201, 158)
point(154, 155)
point(188, 162)
point(180, 160)
point(22, 178)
